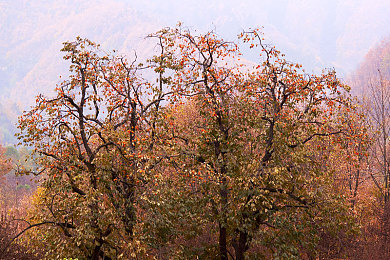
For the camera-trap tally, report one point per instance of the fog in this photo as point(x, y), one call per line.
point(317, 34)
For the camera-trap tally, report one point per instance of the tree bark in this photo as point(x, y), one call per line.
point(222, 225)
point(241, 245)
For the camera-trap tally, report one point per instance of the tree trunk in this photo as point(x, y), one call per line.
point(223, 242)
point(241, 246)
point(223, 222)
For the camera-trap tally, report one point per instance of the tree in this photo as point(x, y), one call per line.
point(5, 167)
point(249, 147)
point(371, 81)
point(215, 159)
point(95, 141)
point(4, 163)
point(10, 209)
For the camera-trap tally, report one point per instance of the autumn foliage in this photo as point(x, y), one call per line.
point(210, 157)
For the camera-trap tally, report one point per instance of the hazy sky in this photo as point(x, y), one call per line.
point(317, 33)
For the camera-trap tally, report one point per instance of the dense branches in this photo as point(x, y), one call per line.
point(132, 168)
point(94, 139)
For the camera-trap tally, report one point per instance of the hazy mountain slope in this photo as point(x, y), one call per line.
point(32, 34)
point(315, 33)
point(32, 62)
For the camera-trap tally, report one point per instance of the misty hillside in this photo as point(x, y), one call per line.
point(30, 60)
point(316, 33)
point(8, 117)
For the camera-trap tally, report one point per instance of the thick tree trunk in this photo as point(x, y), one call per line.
point(223, 242)
point(241, 246)
point(223, 222)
